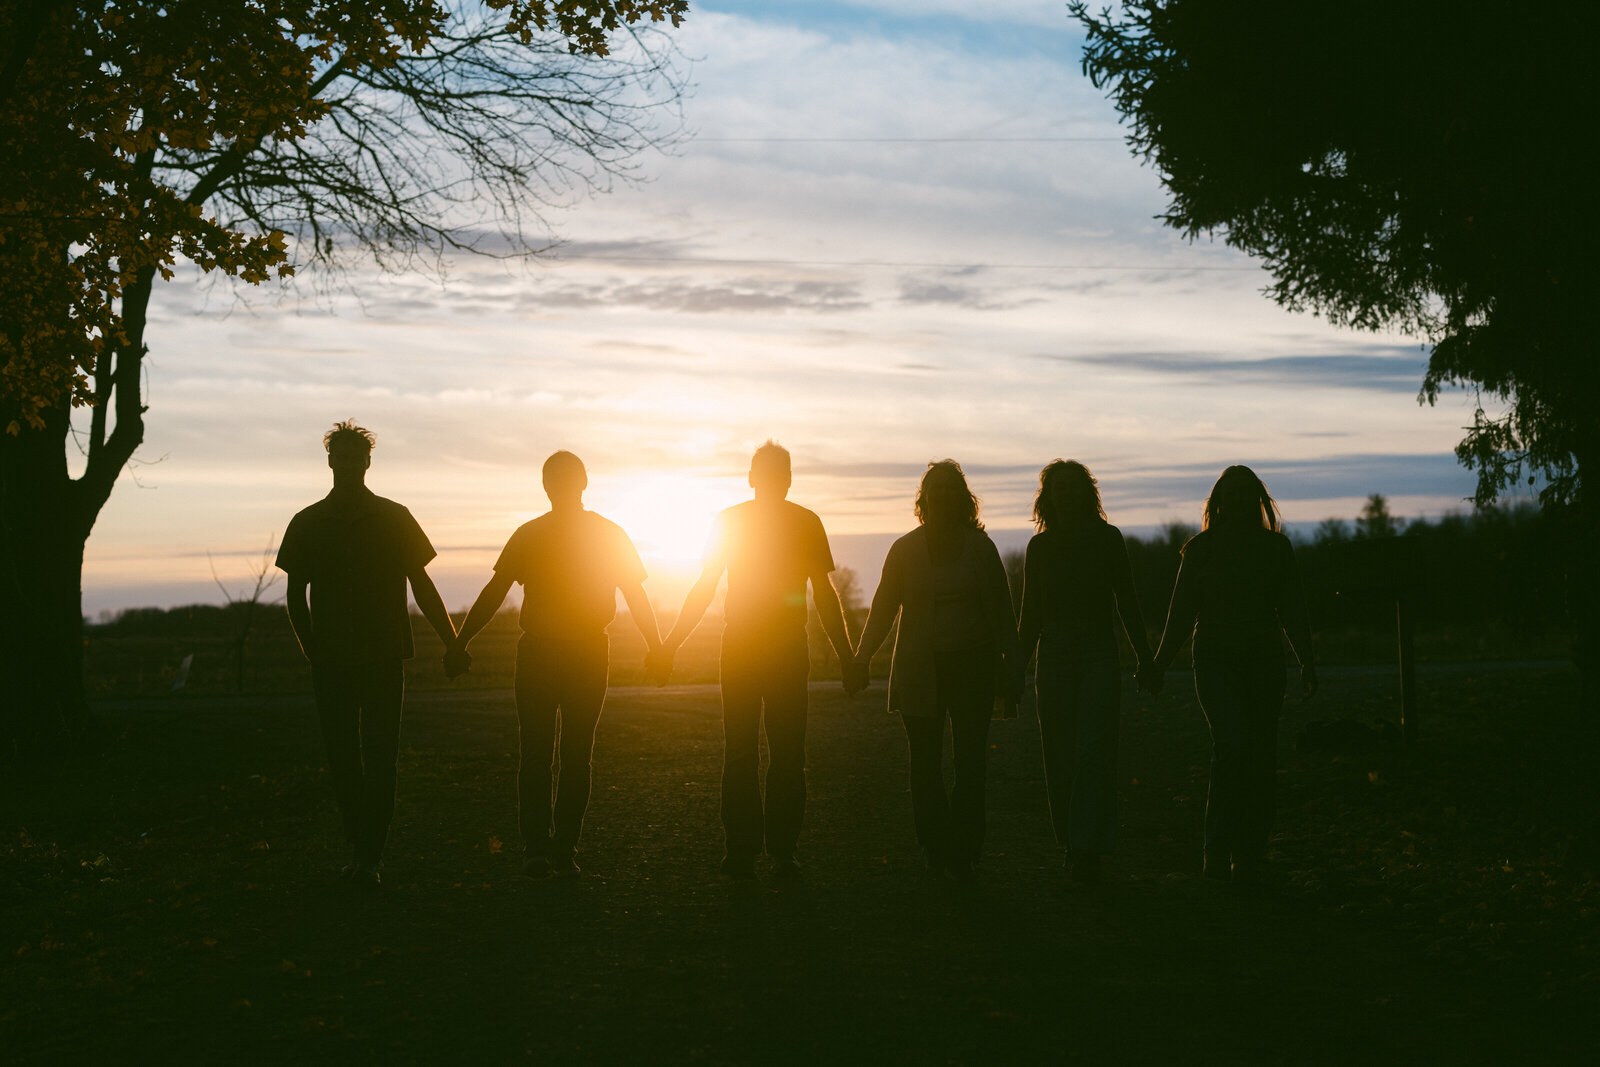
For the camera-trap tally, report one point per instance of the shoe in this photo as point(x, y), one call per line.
point(787, 869)
point(1085, 867)
point(739, 868)
point(565, 866)
point(365, 875)
point(962, 871)
point(536, 867)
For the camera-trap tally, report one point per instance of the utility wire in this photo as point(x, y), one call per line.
point(899, 140)
point(730, 262)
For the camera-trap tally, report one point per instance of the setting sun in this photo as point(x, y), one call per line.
point(667, 514)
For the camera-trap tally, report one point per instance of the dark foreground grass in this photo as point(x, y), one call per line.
point(173, 897)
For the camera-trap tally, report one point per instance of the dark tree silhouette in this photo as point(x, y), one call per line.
point(248, 140)
point(1397, 166)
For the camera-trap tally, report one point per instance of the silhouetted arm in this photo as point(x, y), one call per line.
point(1181, 614)
point(431, 605)
point(694, 606)
point(1030, 622)
point(885, 609)
point(1296, 622)
point(831, 612)
point(1128, 601)
point(483, 609)
point(644, 616)
point(300, 616)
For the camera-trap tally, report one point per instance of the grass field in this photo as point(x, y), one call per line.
point(173, 897)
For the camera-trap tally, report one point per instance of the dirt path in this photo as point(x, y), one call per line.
point(175, 899)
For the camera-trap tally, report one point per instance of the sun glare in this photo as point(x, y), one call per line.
point(668, 515)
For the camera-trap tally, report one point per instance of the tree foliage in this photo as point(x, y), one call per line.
point(139, 135)
point(252, 139)
point(1410, 166)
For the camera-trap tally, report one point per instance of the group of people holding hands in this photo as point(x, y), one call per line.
point(960, 653)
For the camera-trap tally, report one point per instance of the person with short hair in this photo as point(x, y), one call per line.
point(570, 562)
point(955, 650)
point(354, 551)
point(770, 548)
point(1076, 581)
point(1238, 593)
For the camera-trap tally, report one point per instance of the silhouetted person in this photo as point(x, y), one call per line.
point(1237, 591)
point(571, 562)
point(770, 548)
point(956, 647)
point(356, 551)
point(1075, 577)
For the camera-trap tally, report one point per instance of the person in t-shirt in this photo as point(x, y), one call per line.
point(570, 563)
point(355, 552)
point(770, 548)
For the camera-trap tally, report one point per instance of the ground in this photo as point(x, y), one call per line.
point(173, 895)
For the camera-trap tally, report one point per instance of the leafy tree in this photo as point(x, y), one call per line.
point(1418, 166)
point(252, 139)
point(1375, 520)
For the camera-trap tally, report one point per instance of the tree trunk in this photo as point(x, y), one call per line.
point(42, 534)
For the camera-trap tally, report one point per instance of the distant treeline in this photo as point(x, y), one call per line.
point(1484, 585)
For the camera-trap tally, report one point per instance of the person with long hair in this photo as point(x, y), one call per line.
point(1075, 574)
point(955, 649)
point(1238, 593)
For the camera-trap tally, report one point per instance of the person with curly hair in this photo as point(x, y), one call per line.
point(955, 650)
point(1076, 578)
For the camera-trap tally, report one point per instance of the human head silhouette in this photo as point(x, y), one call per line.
point(349, 448)
point(943, 497)
point(565, 479)
point(1240, 501)
point(1067, 493)
point(770, 473)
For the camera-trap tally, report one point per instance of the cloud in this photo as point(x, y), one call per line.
point(1397, 368)
point(681, 295)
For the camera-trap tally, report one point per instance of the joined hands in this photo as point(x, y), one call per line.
point(457, 661)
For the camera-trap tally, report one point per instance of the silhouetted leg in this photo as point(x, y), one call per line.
point(1260, 747)
point(1057, 685)
point(582, 697)
point(929, 811)
point(339, 711)
point(786, 749)
point(741, 757)
point(536, 730)
point(967, 682)
point(382, 695)
point(1093, 825)
point(1217, 686)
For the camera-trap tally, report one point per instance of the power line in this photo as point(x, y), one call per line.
point(731, 262)
point(900, 140)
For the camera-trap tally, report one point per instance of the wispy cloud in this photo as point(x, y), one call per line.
point(1387, 368)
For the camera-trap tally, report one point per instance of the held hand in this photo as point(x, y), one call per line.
point(1308, 681)
point(854, 676)
point(1150, 678)
point(658, 666)
point(457, 661)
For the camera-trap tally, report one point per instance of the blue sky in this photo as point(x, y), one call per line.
point(976, 273)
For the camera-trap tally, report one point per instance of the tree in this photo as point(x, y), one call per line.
point(252, 139)
point(1376, 521)
point(1397, 166)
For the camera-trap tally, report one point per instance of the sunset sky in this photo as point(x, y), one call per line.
point(897, 231)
